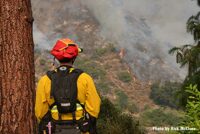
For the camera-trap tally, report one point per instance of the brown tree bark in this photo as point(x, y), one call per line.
point(17, 90)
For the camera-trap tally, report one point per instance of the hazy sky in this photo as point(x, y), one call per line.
point(166, 18)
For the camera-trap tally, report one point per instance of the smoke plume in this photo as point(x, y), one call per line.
point(146, 29)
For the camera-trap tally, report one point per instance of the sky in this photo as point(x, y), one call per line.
point(166, 18)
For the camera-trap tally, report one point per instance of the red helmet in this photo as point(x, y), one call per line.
point(65, 49)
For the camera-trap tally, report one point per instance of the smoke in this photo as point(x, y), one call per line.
point(147, 29)
point(51, 21)
point(167, 19)
point(40, 39)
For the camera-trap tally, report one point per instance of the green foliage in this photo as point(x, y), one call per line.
point(42, 62)
point(103, 87)
point(122, 100)
point(192, 119)
point(173, 132)
point(193, 80)
point(103, 50)
point(165, 94)
point(189, 80)
point(158, 117)
point(112, 121)
point(124, 76)
point(132, 107)
point(190, 55)
point(193, 26)
point(91, 67)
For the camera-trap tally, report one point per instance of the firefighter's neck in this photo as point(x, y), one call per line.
point(70, 64)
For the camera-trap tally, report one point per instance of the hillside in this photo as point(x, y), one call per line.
point(81, 22)
point(105, 66)
point(85, 30)
point(124, 75)
point(115, 80)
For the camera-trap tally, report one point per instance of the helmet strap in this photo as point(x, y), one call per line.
point(73, 60)
point(54, 62)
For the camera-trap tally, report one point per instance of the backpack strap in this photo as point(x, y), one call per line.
point(77, 73)
point(50, 73)
point(50, 76)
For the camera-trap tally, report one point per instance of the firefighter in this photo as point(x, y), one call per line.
point(77, 113)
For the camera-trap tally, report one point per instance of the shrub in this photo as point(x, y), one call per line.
point(158, 117)
point(103, 87)
point(103, 50)
point(112, 121)
point(42, 62)
point(107, 49)
point(194, 79)
point(165, 94)
point(132, 107)
point(91, 67)
point(111, 48)
point(124, 76)
point(192, 118)
point(122, 100)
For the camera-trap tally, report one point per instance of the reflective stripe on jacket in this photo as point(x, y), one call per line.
point(87, 95)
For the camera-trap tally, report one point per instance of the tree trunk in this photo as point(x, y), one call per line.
point(17, 89)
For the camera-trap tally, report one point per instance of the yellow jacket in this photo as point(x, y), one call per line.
point(87, 95)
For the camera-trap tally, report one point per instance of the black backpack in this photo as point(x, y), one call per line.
point(64, 92)
point(64, 88)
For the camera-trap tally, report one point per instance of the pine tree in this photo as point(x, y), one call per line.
point(16, 67)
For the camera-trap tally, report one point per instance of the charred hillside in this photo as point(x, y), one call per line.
point(77, 20)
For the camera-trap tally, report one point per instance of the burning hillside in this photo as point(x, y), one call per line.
point(94, 27)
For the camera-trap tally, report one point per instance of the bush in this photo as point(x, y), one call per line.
point(132, 107)
point(124, 76)
point(103, 87)
point(166, 94)
point(122, 100)
point(91, 68)
point(158, 117)
point(194, 79)
point(111, 48)
point(192, 118)
point(112, 121)
point(42, 62)
point(103, 50)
